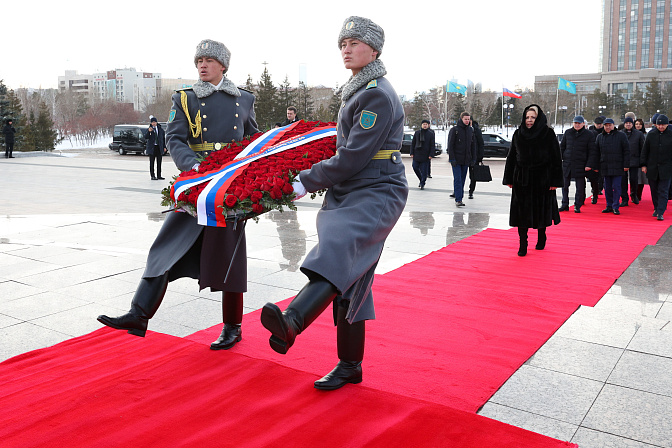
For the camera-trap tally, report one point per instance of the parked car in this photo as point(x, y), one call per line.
point(495, 145)
point(128, 138)
point(406, 146)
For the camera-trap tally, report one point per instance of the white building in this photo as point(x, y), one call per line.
point(122, 85)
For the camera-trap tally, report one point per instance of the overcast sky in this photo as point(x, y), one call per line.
point(495, 42)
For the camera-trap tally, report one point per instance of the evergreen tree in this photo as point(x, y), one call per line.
point(43, 130)
point(249, 85)
point(304, 102)
point(334, 107)
point(28, 133)
point(286, 96)
point(654, 100)
point(12, 109)
point(458, 107)
point(495, 118)
point(267, 102)
point(416, 112)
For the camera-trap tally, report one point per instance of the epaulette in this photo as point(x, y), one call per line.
point(183, 89)
point(242, 88)
point(372, 84)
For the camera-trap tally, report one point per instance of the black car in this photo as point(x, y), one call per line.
point(129, 138)
point(406, 146)
point(495, 145)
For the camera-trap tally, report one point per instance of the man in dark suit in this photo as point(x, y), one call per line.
point(291, 116)
point(422, 151)
point(656, 162)
point(156, 143)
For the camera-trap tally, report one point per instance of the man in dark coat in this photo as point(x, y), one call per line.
point(156, 143)
point(480, 148)
point(461, 154)
point(422, 151)
point(656, 162)
point(9, 132)
point(593, 176)
point(614, 163)
point(635, 142)
point(579, 156)
point(202, 119)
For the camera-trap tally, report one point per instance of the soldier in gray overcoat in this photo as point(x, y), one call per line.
point(203, 118)
point(367, 192)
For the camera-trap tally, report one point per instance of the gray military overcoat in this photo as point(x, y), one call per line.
point(365, 197)
point(182, 246)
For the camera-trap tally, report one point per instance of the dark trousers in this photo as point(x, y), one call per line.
point(633, 176)
point(612, 191)
point(9, 147)
point(596, 182)
point(459, 178)
point(156, 155)
point(580, 196)
point(421, 170)
point(659, 194)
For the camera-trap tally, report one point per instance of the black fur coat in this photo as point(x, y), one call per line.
point(533, 166)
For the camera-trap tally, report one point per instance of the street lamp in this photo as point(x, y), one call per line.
point(509, 108)
point(563, 109)
point(601, 109)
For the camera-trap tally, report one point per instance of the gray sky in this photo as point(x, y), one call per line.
point(495, 42)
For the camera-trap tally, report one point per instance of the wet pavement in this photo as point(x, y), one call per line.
point(75, 228)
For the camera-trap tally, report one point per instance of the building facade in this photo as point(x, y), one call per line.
point(122, 85)
point(636, 49)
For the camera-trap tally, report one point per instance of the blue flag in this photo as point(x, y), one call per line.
point(569, 86)
point(456, 88)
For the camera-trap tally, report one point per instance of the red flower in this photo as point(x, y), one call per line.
point(230, 200)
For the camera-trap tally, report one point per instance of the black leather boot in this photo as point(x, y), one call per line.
point(541, 239)
point(309, 303)
point(232, 316)
point(522, 235)
point(350, 343)
point(145, 303)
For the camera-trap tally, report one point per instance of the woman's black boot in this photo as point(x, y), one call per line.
point(541, 239)
point(309, 303)
point(145, 303)
point(522, 234)
point(350, 343)
point(232, 316)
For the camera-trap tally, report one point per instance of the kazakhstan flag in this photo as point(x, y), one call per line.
point(456, 88)
point(569, 86)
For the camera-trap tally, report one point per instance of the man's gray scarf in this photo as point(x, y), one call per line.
point(203, 89)
point(369, 72)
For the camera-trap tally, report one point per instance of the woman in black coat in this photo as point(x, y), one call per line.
point(533, 171)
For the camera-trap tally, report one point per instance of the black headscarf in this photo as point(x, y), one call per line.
point(539, 127)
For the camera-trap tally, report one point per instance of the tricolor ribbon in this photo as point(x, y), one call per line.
point(219, 180)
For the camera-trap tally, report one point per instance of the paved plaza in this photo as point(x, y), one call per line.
point(75, 228)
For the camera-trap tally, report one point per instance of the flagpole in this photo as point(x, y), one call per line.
point(557, 92)
point(502, 126)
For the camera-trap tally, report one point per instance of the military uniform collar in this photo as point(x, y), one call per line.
point(371, 71)
point(203, 89)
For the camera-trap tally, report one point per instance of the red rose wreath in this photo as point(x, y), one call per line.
point(260, 186)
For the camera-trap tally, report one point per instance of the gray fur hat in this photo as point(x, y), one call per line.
point(212, 49)
point(365, 30)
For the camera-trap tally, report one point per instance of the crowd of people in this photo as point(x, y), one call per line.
point(618, 160)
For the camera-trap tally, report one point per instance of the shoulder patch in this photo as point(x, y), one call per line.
point(367, 119)
point(171, 117)
point(372, 84)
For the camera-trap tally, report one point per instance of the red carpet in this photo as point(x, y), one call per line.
point(451, 328)
point(108, 389)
